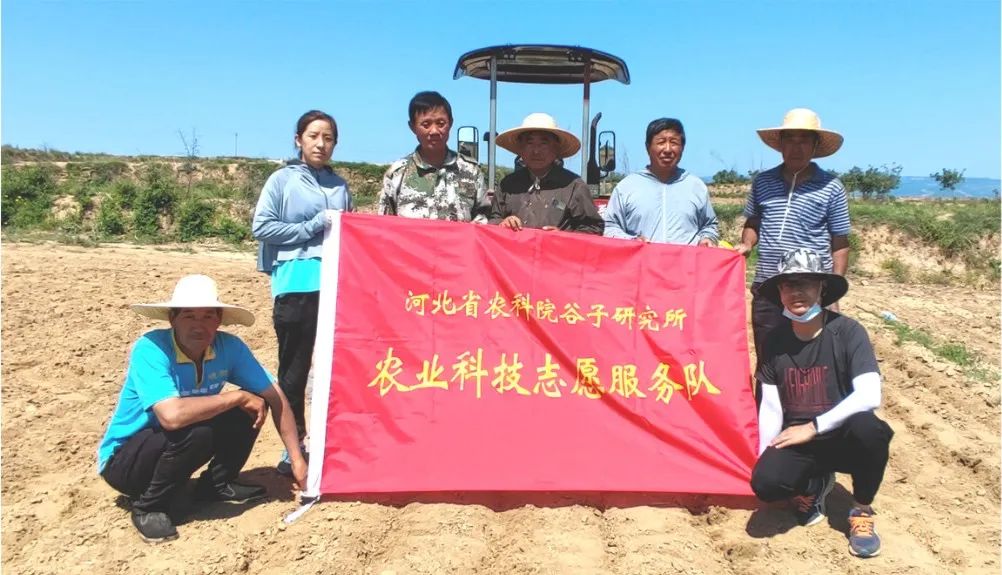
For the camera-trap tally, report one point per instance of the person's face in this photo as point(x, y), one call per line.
point(538, 150)
point(798, 294)
point(797, 147)
point(195, 328)
point(432, 129)
point(316, 145)
point(665, 151)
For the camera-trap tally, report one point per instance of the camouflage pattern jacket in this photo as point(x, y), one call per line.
point(414, 189)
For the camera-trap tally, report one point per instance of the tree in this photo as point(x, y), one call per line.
point(188, 168)
point(872, 182)
point(948, 179)
point(724, 177)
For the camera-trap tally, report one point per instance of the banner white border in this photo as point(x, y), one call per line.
point(323, 355)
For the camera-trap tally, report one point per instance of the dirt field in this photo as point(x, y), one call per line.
point(66, 334)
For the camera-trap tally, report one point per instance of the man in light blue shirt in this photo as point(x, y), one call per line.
point(173, 416)
point(664, 203)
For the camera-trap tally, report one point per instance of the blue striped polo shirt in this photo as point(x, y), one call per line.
point(818, 210)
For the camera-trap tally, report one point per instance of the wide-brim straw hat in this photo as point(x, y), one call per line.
point(539, 122)
point(803, 119)
point(805, 263)
point(195, 291)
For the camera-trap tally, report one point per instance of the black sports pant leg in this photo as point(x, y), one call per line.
point(234, 436)
point(295, 319)
point(782, 473)
point(153, 463)
point(864, 447)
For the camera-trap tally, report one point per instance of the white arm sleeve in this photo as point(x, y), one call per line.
point(770, 416)
point(865, 396)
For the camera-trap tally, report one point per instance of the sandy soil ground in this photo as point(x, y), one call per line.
point(67, 330)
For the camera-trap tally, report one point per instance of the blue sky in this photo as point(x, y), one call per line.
point(914, 83)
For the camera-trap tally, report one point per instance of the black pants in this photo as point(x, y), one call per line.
point(766, 316)
point(295, 319)
point(859, 447)
point(154, 463)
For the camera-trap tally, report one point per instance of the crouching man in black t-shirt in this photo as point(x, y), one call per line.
point(820, 384)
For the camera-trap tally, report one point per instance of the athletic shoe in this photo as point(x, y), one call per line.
point(284, 466)
point(154, 527)
point(812, 506)
point(863, 538)
point(232, 492)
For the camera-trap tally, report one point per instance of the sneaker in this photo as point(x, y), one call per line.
point(153, 527)
point(233, 492)
point(811, 506)
point(284, 466)
point(863, 538)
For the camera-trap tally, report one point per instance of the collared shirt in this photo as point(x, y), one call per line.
point(159, 370)
point(676, 212)
point(560, 199)
point(412, 188)
point(818, 210)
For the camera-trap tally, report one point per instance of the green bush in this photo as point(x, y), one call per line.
point(110, 220)
point(255, 173)
point(125, 193)
point(151, 203)
point(97, 172)
point(232, 231)
point(725, 177)
point(27, 194)
point(194, 219)
point(158, 176)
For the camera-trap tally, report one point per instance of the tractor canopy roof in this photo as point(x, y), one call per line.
point(542, 64)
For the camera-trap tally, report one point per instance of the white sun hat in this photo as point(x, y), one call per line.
point(803, 119)
point(539, 122)
point(194, 291)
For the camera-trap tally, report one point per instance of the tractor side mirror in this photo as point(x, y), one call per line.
point(468, 138)
point(607, 151)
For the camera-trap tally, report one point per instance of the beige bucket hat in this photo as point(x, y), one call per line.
point(539, 122)
point(803, 119)
point(195, 291)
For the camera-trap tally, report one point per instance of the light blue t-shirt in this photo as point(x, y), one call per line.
point(295, 276)
point(159, 370)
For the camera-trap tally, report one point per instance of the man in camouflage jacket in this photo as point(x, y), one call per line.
point(434, 182)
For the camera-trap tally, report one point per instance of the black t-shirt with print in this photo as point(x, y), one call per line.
point(814, 376)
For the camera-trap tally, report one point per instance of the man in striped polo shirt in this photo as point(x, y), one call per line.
point(794, 205)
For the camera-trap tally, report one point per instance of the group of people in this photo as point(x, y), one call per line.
point(818, 379)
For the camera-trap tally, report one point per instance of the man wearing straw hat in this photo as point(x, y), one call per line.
point(820, 386)
point(796, 204)
point(543, 194)
point(174, 417)
point(664, 203)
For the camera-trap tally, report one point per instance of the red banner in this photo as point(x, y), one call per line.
point(469, 357)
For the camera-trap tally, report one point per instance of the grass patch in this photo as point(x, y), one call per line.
point(898, 269)
point(956, 353)
point(955, 227)
point(727, 214)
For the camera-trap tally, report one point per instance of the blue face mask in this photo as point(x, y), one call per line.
point(810, 314)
